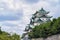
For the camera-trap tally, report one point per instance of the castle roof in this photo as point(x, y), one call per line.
point(38, 21)
point(42, 11)
point(45, 16)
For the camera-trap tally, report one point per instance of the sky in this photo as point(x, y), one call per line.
point(16, 14)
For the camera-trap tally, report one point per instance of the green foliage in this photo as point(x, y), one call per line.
point(46, 29)
point(7, 36)
point(15, 37)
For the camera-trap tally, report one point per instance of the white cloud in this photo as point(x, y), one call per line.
point(12, 4)
point(15, 6)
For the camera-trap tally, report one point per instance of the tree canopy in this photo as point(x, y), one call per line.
point(6, 36)
point(46, 29)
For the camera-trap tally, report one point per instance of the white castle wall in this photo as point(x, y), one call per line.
point(54, 37)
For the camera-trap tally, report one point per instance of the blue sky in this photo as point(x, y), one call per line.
point(15, 14)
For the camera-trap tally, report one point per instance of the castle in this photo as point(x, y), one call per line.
point(38, 18)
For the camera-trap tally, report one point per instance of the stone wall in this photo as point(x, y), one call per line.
point(54, 37)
